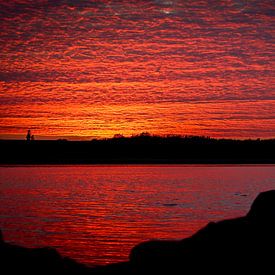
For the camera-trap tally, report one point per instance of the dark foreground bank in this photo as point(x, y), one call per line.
point(235, 246)
point(139, 150)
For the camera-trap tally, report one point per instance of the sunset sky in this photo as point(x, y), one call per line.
point(82, 69)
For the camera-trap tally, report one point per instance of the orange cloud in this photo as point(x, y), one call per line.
point(92, 69)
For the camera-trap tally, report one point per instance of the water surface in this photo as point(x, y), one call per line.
point(96, 214)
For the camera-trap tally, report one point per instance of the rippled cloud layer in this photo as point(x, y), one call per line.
point(95, 68)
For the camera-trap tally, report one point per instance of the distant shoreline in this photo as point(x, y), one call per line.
point(138, 151)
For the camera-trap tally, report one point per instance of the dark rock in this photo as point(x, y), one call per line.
point(15, 259)
point(242, 244)
point(263, 207)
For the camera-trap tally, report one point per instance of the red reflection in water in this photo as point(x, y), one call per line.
point(96, 214)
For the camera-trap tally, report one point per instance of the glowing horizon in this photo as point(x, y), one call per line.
point(91, 69)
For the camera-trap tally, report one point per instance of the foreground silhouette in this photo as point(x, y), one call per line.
point(235, 246)
point(240, 244)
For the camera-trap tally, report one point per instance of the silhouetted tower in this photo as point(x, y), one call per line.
point(28, 136)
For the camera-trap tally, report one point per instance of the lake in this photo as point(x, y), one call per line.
point(97, 213)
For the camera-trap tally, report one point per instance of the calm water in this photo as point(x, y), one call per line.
point(96, 214)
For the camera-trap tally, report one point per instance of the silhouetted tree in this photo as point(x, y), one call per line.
point(28, 136)
point(118, 136)
point(145, 134)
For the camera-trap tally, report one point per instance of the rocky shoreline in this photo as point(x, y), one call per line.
point(241, 245)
